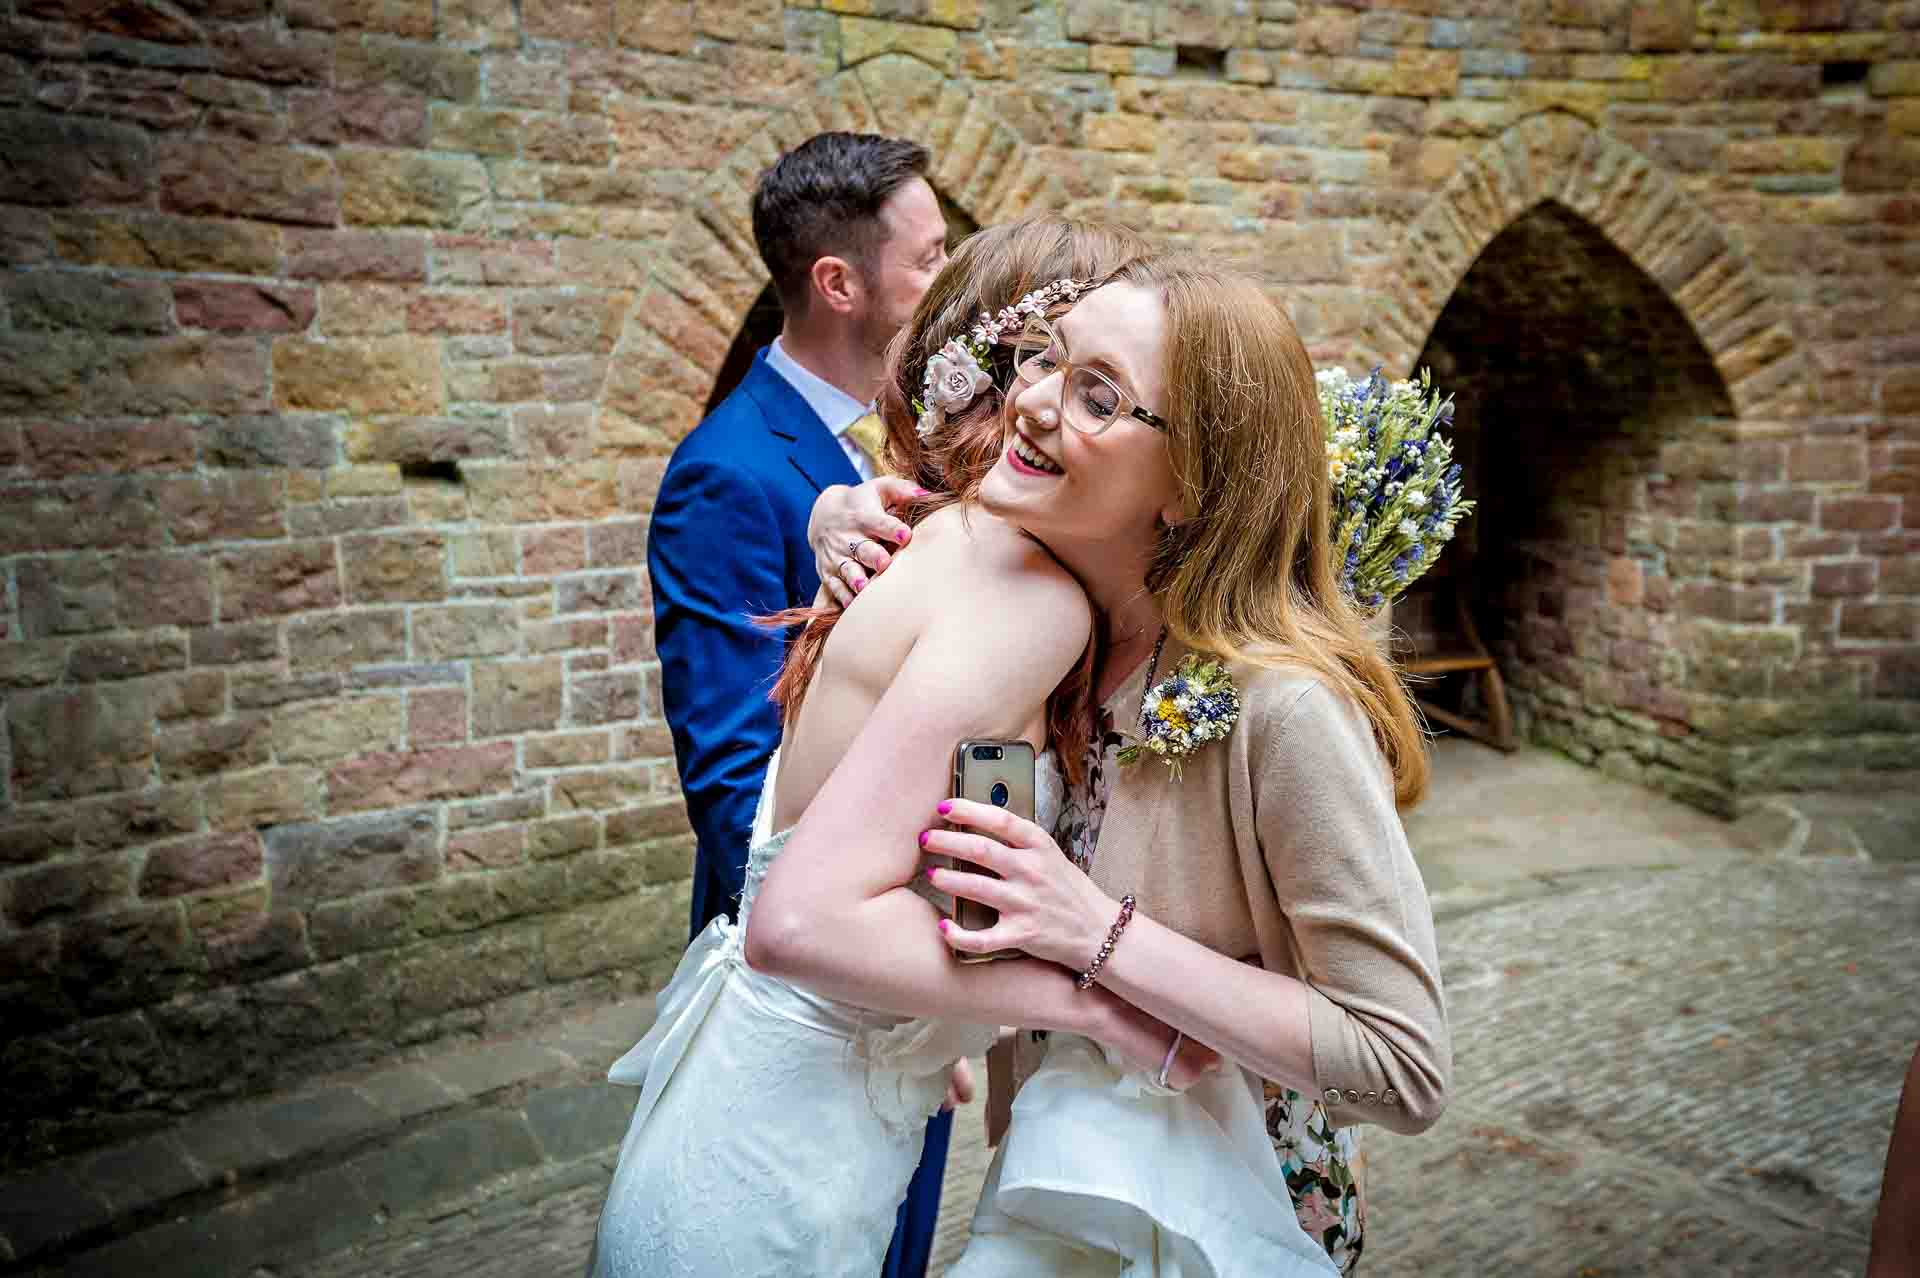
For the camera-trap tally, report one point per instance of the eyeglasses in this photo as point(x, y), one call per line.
point(1089, 400)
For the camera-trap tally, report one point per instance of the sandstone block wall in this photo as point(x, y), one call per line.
point(341, 345)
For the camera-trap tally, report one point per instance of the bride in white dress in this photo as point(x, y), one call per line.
point(795, 1058)
point(776, 1130)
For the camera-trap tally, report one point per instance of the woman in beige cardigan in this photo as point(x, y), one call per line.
point(1263, 902)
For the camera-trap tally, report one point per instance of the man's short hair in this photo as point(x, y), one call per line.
point(822, 199)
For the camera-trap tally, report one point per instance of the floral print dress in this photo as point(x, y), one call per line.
point(1322, 1164)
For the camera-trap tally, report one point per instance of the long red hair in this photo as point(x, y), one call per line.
point(992, 269)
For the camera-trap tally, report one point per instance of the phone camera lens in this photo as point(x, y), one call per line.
point(988, 753)
point(998, 794)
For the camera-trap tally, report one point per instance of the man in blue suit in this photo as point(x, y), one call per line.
point(852, 235)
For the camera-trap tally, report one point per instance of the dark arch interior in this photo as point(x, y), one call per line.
point(1573, 375)
point(762, 322)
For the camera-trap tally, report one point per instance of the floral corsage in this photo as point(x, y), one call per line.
point(956, 373)
point(1196, 704)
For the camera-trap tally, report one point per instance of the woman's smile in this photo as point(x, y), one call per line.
point(1027, 458)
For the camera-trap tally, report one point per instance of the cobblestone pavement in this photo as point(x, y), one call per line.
point(1683, 1073)
point(1673, 1057)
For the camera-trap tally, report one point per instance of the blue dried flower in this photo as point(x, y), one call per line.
point(1196, 704)
point(1395, 486)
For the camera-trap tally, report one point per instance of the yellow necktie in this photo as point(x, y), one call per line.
point(871, 434)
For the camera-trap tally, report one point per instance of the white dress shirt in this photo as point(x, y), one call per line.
point(837, 409)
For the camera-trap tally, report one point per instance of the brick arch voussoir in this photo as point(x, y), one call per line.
point(708, 273)
point(1636, 205)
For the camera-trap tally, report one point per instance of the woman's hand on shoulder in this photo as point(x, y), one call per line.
point(860, 518)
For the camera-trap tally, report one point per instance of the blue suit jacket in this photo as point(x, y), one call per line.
point(728, 541)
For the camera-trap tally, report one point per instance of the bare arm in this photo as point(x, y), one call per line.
point(835, 915)
point(1895, 1249)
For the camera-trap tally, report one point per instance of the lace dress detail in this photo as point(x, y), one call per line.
point(776, 1130)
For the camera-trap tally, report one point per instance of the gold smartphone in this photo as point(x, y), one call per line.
point(999, 773)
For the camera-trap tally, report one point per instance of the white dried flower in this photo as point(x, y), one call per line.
point(954, 378)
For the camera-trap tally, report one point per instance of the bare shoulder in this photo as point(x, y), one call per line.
point(997, 575)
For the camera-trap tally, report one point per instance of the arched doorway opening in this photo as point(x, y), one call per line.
point(1581, 390)
point(761, 324)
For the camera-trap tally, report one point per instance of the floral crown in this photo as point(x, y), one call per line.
point(955, 376)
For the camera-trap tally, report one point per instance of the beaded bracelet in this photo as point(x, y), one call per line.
point(1106, 946)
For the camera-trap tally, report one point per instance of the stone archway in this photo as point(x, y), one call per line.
point(1583, 399)
point(707, 274)
point(1562, 159)
point(1615, 351)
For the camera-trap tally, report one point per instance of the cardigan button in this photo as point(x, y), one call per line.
point(1370, 1097)
point(1353, 1097)
point(1390, 1097)
point(1332, 1096)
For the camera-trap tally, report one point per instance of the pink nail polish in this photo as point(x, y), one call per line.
point(901, 536)
point(944, 925)
point(929, 872)
point(859, 586)
point(944, 808)
point(923, 841)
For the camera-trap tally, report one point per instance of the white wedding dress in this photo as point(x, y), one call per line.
point(776, 1130)
point(1103, 1172)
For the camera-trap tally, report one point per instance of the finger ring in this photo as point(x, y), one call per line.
point(853, 547)
point(1167, 1064)
point(844, 564)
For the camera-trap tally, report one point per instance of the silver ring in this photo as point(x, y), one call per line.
point(853, 547)
point(1167, 1064)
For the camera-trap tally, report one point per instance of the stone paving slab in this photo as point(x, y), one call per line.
point(408, 1092)
point(47, 1207)
point(1496, 825)
point(543, 1225)
point(479, 1070)
point(318, 1213)
point(300, 1126)
point(211, 1196)
point(573, 1122)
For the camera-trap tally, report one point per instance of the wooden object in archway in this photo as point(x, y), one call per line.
point(1450, 644)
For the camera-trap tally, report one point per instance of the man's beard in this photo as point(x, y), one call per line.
point(877, 333)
